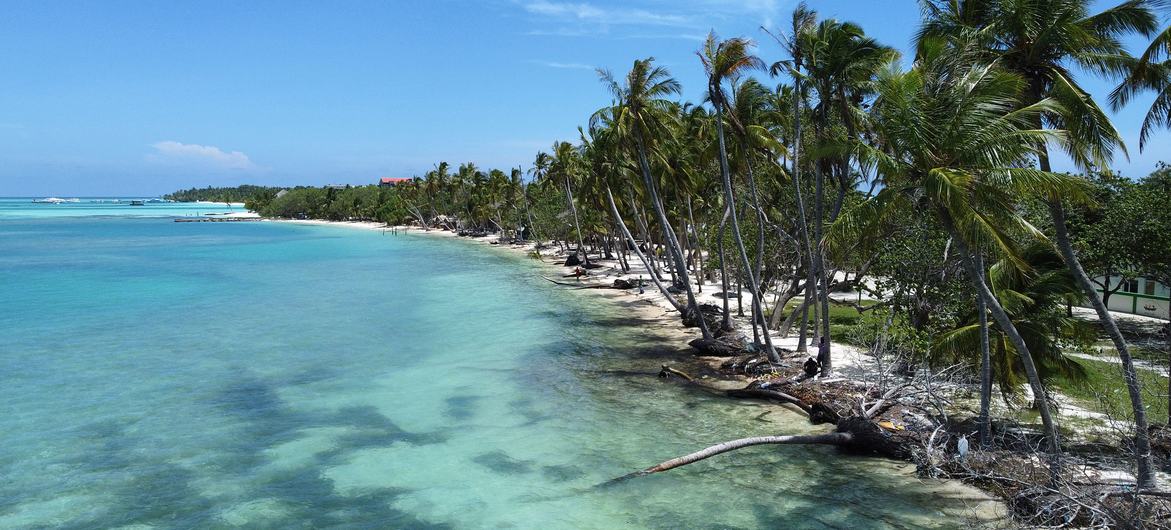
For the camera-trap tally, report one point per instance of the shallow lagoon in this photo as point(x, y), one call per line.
point(164, 374)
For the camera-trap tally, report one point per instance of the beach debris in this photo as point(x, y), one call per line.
point(667, 372)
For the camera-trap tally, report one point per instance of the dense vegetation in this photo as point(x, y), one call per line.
point(227, 194)
point(832, 167)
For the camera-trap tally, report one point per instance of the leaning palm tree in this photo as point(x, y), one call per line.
point(724, 61)
point(1041, 40)
point(640, 115)
point(955, 137)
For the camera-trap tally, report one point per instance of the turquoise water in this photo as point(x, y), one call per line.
point(268, 375)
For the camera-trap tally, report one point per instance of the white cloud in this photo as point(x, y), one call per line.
point(172, 151)
point(570, 66)
point(587, 12)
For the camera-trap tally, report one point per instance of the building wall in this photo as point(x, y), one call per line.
point(1142, 297)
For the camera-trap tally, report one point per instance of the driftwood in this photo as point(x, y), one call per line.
point(817, 411)
point(717, 347)
point(667, 372)
point(853, 434)
point(712, 315)
point(577, 285)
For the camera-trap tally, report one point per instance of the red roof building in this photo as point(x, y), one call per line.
point(391, 181)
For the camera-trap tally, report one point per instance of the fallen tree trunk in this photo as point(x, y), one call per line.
point(817, 411)
point(716, 348)
point(854, 434)
point(833, 438)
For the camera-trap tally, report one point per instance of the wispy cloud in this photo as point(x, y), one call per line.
point(588, 12)
point(650, 19)
point(567, 66)
point(209, 155)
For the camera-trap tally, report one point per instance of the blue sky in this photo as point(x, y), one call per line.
point(115, 97)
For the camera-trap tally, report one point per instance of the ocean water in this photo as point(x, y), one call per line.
point(269, 375)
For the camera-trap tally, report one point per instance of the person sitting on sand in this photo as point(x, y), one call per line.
point(811, 367)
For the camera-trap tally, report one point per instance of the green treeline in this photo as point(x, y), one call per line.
point(233, 194)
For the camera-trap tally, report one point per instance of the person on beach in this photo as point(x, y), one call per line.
point(811, 367)
point(823, 355)
point(640, 290)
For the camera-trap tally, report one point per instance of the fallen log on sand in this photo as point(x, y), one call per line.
point(854, 434)
point(717, 347)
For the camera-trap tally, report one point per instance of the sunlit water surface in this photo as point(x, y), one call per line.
point(178, 375)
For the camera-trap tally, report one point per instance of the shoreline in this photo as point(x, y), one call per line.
point(665, 329)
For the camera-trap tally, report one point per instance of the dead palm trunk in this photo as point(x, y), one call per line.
point(731, 199)
point(833, 438)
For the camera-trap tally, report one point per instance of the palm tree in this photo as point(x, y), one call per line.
point(565, 164)
point(724, 61)
point(954, 137)
point(640, 115)
point(1035, 300)
point(1150, 72)
point(802, 20)
point(609, 166)
point(841, 63)
point(1040, 40)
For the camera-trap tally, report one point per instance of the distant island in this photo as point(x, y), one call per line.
point(211, 194)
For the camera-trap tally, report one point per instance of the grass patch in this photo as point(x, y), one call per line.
point(1150, 355)
point(1104, 390)
point(845, 322)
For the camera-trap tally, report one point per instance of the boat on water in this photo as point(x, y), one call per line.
point(138, 202)
point(50, 200)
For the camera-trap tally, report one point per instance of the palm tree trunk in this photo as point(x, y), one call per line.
point(985, 364)
point(668, 233)
point(810, 285)
point(759, 264)
point(819, 265)
point(1142, 441)
point(727, 325)
point(645, 263)
point(1008, 328)
point(752, 283)
point(698, 252)
point(576, 225)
